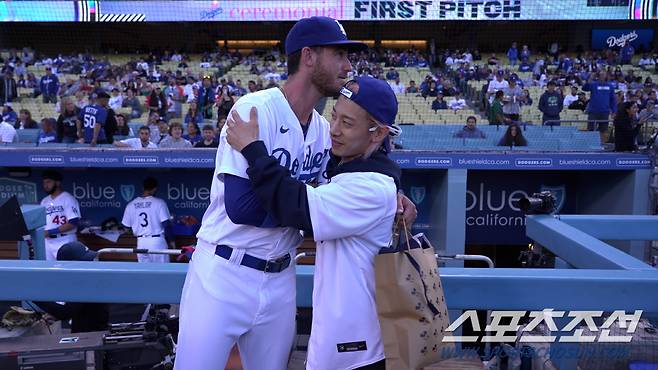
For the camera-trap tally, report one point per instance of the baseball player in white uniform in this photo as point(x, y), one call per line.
point(240, 286)
point(62, 214)
point(149, 218)
point(351, 218)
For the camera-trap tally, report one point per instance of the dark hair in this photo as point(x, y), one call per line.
point(473, 117)
point(499, 93)
point(622, 112)
point(173, 125)
point(294, 60)
point(208, 128)
point(51, 175)
point(195, 126)
point(509, 140)
point(150, 183)
point(144, 128)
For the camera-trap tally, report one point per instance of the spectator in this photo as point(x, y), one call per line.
point(493, 60)
point(8, 114)
point(193, 115)
point(122, 126)
point(224, 101)
point(163, 130)
point(496, 116)
point(141, 142)
point(175, 140)
point(47, 132)
point(645, 62)
point(193, 133)
point(550, 104)
point(570, 98)
point(431, 90)
point(154, 126)
point(525, 65)
point(470, 130)
point(49, 86)
point(239, 90)
point(525, 52)
point(513, 137)
point(412, 89)
point(602, 103)
point(438, 103)
point(513, 55)
point(650, 112)
point(7, 133)
point(67, 122)
point(497, 84)
point(94, 119)
point(209, 138)
point(626, 126)
point(133, 103)
point(157, 102)
point(392, 74)
point(189, 89)
point(525, 98)
point(206, 98)
point(447, 89)
point(25, 120)
point(457, 103)
point(397, 86)
point(8, 85)
point(627, 52)
point(81, 99)
point(581, 103)
point(116, 100)
point(511, 101)
point(221, 121)
point(176, 96)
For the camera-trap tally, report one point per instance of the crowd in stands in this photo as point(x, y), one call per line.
point(591, 82)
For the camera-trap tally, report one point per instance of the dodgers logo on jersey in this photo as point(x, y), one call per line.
point(560, 193)
point(127, 192)
point(310, 167)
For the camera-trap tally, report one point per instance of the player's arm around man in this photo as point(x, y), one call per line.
point(351, 218)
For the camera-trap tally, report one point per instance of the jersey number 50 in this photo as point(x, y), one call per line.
point(90, 121)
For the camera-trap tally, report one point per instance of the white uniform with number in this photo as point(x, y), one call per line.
point(352, 220)
point(223, 302)
point(145, 215)
point(58, 212)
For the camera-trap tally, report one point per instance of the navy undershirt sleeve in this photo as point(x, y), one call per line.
point(242, 205)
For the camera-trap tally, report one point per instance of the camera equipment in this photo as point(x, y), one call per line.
point(539, 203)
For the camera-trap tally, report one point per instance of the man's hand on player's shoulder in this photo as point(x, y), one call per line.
point(239, 133)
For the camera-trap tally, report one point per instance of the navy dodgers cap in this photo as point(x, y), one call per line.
point(75, 251)
point(319, 31)
point(377, 98)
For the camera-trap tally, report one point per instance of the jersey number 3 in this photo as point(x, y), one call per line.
point(145, 219)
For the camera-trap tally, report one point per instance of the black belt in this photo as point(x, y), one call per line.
point(149, 236)
point(276, 265)
point(55, 236)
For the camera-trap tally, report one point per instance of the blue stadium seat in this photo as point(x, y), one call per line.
point(28, 135)
point(21, 145)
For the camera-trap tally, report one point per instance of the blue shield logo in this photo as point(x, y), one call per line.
point(560, 193)
point(417, 194)
point(127, 192)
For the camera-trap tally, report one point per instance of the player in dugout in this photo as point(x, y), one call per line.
point(351, 218)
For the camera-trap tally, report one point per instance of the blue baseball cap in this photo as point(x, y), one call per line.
point(319, 31)
point(75, 251)
point(376, 97)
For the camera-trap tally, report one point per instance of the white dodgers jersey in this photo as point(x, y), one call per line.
point(60, 210)
point(145, 215)
point(352, 220)
point(305, 157)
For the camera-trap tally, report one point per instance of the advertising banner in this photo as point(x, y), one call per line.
point(292, 10)
point(618, 38)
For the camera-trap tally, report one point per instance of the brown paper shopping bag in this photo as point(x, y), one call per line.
point(411, 306)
